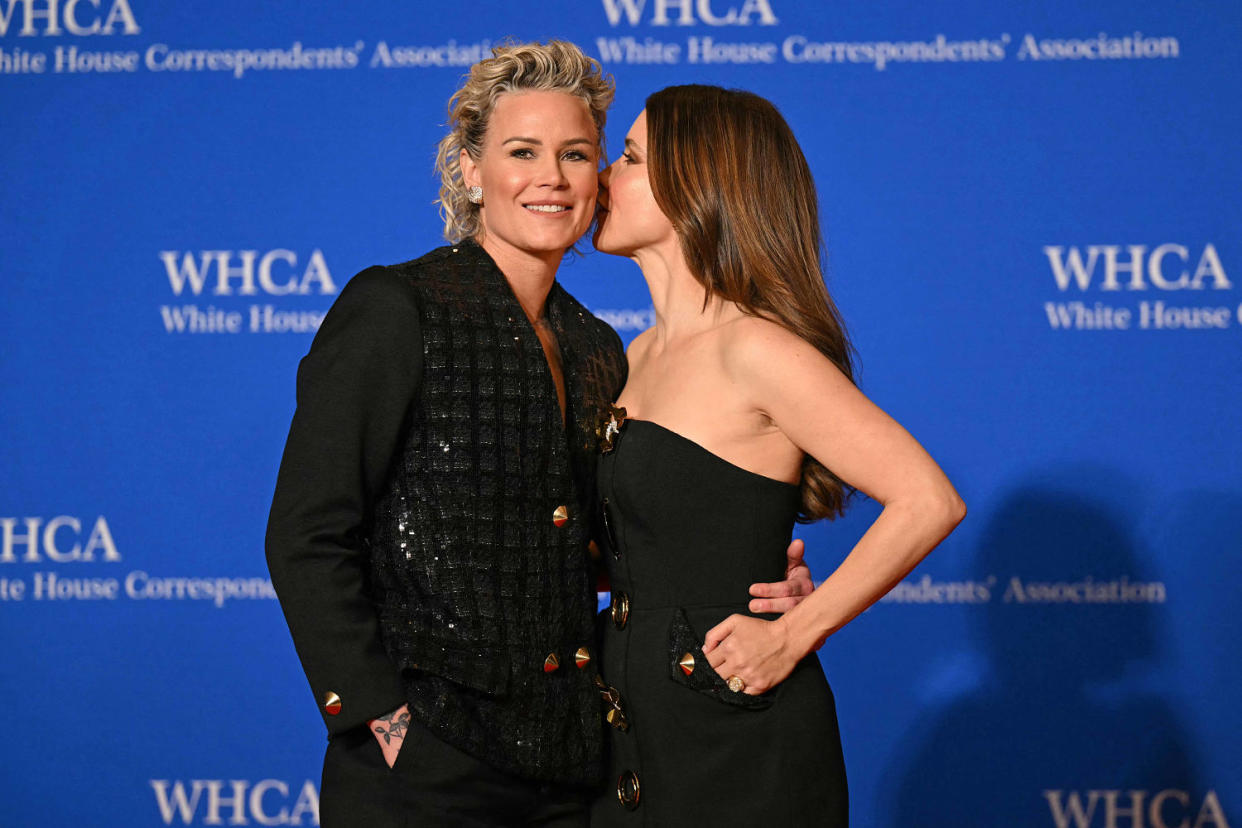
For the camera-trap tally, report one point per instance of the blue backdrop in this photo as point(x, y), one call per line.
point(1032, 215)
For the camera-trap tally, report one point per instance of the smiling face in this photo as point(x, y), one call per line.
point(538, 171)
point(630, 220)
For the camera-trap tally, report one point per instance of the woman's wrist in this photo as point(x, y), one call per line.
point(804, 631)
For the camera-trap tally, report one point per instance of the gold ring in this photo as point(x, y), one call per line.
point(736, 684)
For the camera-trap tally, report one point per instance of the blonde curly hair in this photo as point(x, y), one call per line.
point(555, 66)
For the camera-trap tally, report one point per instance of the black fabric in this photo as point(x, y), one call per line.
point(354, 391)
point(691, 533)
point(682, 640)
point(434, 785)
point(412, 540)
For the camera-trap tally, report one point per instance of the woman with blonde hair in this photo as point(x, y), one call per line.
point(739, 416)
point(428, 536)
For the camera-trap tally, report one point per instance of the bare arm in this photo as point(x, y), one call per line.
point(822, 413)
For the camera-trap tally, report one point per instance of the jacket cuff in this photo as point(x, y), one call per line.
point(350, 703)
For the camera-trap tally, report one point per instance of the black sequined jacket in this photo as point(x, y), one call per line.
point(428, 535)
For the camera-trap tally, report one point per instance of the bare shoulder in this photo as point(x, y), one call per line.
point(638, 345)
point(753, 346)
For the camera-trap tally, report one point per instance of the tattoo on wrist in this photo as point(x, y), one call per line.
point(397, 725)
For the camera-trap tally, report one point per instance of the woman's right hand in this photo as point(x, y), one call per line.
point(390, 732)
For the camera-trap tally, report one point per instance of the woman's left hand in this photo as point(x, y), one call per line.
point(758, 652)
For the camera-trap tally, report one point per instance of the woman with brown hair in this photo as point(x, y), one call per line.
point(739, 416)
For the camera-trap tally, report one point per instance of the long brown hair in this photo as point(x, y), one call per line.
point(729, 174)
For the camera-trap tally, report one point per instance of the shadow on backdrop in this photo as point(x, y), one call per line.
point(1068, 699)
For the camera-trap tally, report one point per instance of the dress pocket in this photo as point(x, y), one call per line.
point(688, 666)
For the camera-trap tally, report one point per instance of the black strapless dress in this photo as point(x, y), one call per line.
point(687, 534)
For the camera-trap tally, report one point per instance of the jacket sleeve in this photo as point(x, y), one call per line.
point(354, 393)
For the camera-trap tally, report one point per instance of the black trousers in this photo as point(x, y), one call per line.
point(434, 784)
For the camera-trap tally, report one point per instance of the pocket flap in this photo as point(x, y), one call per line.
point(689, 666)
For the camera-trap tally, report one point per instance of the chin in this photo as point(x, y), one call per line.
point(604, 246)
point(602, 242)
point(538, 243)
point(559, 240)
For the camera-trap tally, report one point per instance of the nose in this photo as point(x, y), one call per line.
point(552, 173)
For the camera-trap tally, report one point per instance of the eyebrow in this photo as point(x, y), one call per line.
point(539, 143)
point(630, 142)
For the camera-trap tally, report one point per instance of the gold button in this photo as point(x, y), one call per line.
point(331, 703)
point(616, 717)
point(620, 610)
point(687, 663)
point(582, 658)
point(616, 710)
point(551, 663)
point(609, 431)
point(627, 789)
point(560, 516)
